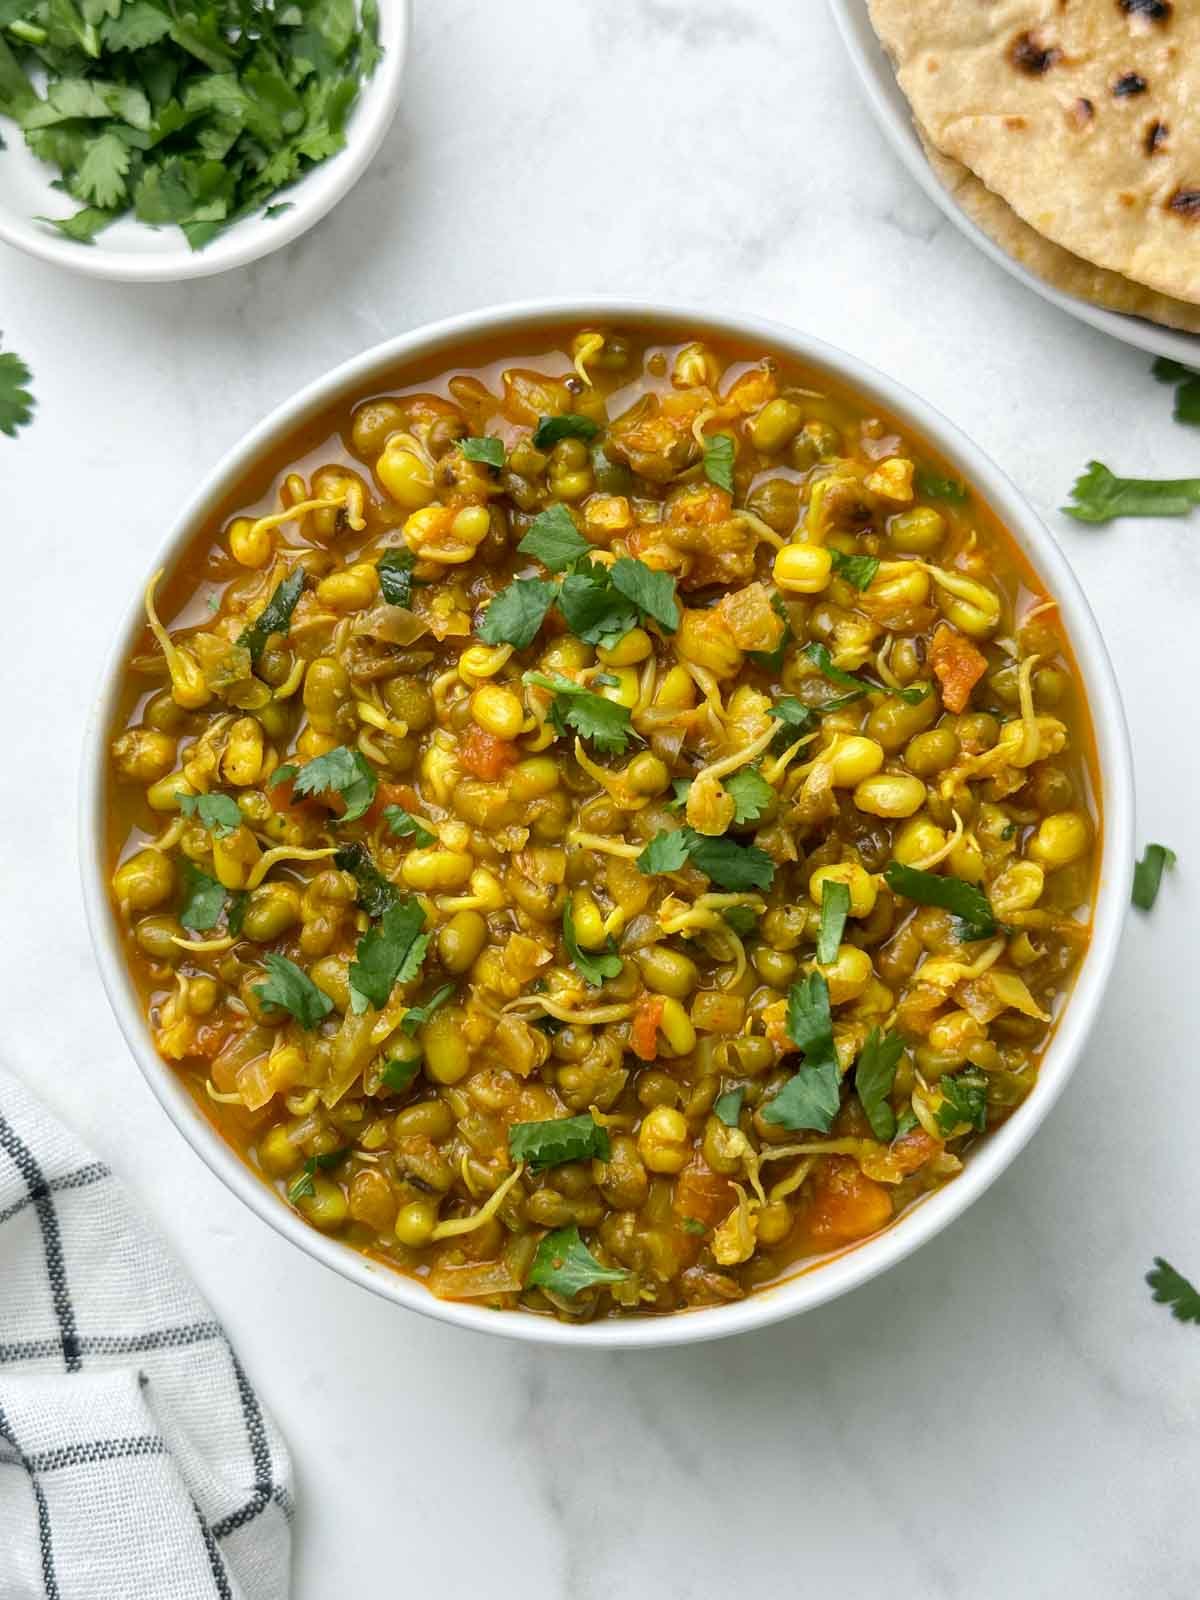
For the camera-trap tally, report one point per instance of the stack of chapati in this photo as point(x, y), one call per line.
point(1069, 130)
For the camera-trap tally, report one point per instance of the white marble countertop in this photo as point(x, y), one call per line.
point(1004, 1414)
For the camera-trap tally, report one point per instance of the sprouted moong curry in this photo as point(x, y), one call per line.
point(604, 823)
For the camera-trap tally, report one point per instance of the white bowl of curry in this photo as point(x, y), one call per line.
point(607, 811)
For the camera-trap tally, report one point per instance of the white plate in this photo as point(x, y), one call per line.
point(892, 109)
point(136, 253)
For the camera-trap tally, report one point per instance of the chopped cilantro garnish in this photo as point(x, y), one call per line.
point(1172, 1289)
point(693, 1225)
point(549, 1144)
point(203, 900)
point(593, 608)
point(812, 1096)
point(302, 1184)
point(652, 592)
point(968, 903)
point(390, 952)
point(416, 1016)
point(517, 612)
point(375, 892)
point(16, 402)
point(874, 1075)
point(402, 824)
point(217, 812)
point(554, 540)
point(796, 717)
point(934, 487)
point(728, 1106)
point(397, 1074)
point(1148, 874)
point(488, 450)
point(290, 988)
point(835, 908)
point(729, 865)
point(742, 919)
point(819, 655)
point(570, 425)
point(594, 967)
point(964, 1100)
point(666, 852)
point(859, 571)
point(395, 568)
point(564, 1265)
point(276, 615)
point(604, 722)
point(719, 454)
point(772, 660)
point(1098, 495)
point(340, 771)
point(750, 792)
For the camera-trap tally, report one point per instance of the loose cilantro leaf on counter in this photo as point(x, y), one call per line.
point(564, 1265)
point(203, 900)
point(554, 540)
point(874, 1075)
point(488, 450)
point(964, 900)
point(302, 1184)
point(934, 487)
point(341, 771)
point(964, 1100)
point(293, 990)
point(593, 717)
point(1187, 393)
point(402, 824)
point(395, 568)
point(549, 1144)
point(416, 1016)
point(397, 1075)
point(728, 1106)
point(750, 792)
point(16, 402)
point(570, 425)
point(276, 615)
point(859, 571)
point(593, 966)
point(1148, 873)
point(1098, 495)
point(1172, 1289)
point(835, 908)
point(217, 812)
point(652, 592)
point(375, 893)
point(517, 612)
point(391, 952)
point(719, 454)
point(810, 1098)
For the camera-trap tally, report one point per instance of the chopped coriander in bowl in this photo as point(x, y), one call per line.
point(164, 139)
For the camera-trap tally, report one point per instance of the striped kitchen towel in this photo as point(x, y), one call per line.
point(136, 1462)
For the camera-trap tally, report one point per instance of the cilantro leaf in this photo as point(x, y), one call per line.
point(340, 771)
point(100, 176)
point(819, 655)
point(728, 1106)
point(391, 952)
point(859, 571)
point(217, 812)
point(604, 722)
point(375, 892)
point(276, 615)
point(968, 903)
point(395, 576)
point(82, 225)
point(203, 900)
point(397, 1074)
point(964, 1100)
point(730, 866)
point(416, 1016)
point(835, 908)
point(796, 717)
point(554, 540)
point(1187, 394)
point(652, 592)
point(302, 1184)
point(291, 988)
point(751, 794)
point(16, 402)
point(549, 1144)
point(1148, 873)
point(593, 966)
point(1172, 1289)
point(1098, 495)
point(934, 487)
point(874, 1075)
point(488, 449)
point(810, 1098)
point(593, 607)
point(742, 919)
point(666, 852)
point(809, 1020)
point(401, 824)
point(693, 1225)
point(772, 660)
point(516, 613)
point(719, 454)
point(564, 1265)
point(570, 425)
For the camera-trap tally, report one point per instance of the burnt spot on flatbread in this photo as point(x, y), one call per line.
point(1029, 55)
point(1082, 112)
point(1156, 137)
point(1129, 83)
point(1015, 124)
point(1152, 10)
point(1185, 203)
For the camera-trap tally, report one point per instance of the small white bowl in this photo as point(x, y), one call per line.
point(423, 353)
point(133, 252)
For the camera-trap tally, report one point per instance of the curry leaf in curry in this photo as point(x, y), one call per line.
point(403, 825)
point(488, 450)
point(516, 613)
point(344, 772)
point(1098, 495)
point(217, 812)
point(375, 892)
point(16, 401)
point(835, 908)
point(728, 1106)
point(964, 1101)
point(719, 454)
point(390, 952)
point(416, 1016)
point(570, 425)
point(874, 1075)
point(593, 717)
point(1172, 1289)
point(1148, 874)
point(564, 1265)
point(291, 988)
point(554, 540)
point(593, 966)
point(395, 568)
point(549, 1144)
point(858, 571)
point(962, 899)
point(203, 900)
point(276, 615)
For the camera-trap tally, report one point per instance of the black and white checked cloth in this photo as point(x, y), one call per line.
point(136, 1462)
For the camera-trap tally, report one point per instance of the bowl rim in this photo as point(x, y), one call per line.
point(831, 1277)
point(311, 197)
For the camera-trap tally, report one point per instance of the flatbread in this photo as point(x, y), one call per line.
point(1050, 261)
point(1079, 113)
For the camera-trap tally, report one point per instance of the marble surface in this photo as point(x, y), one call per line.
point(1004, 1414)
